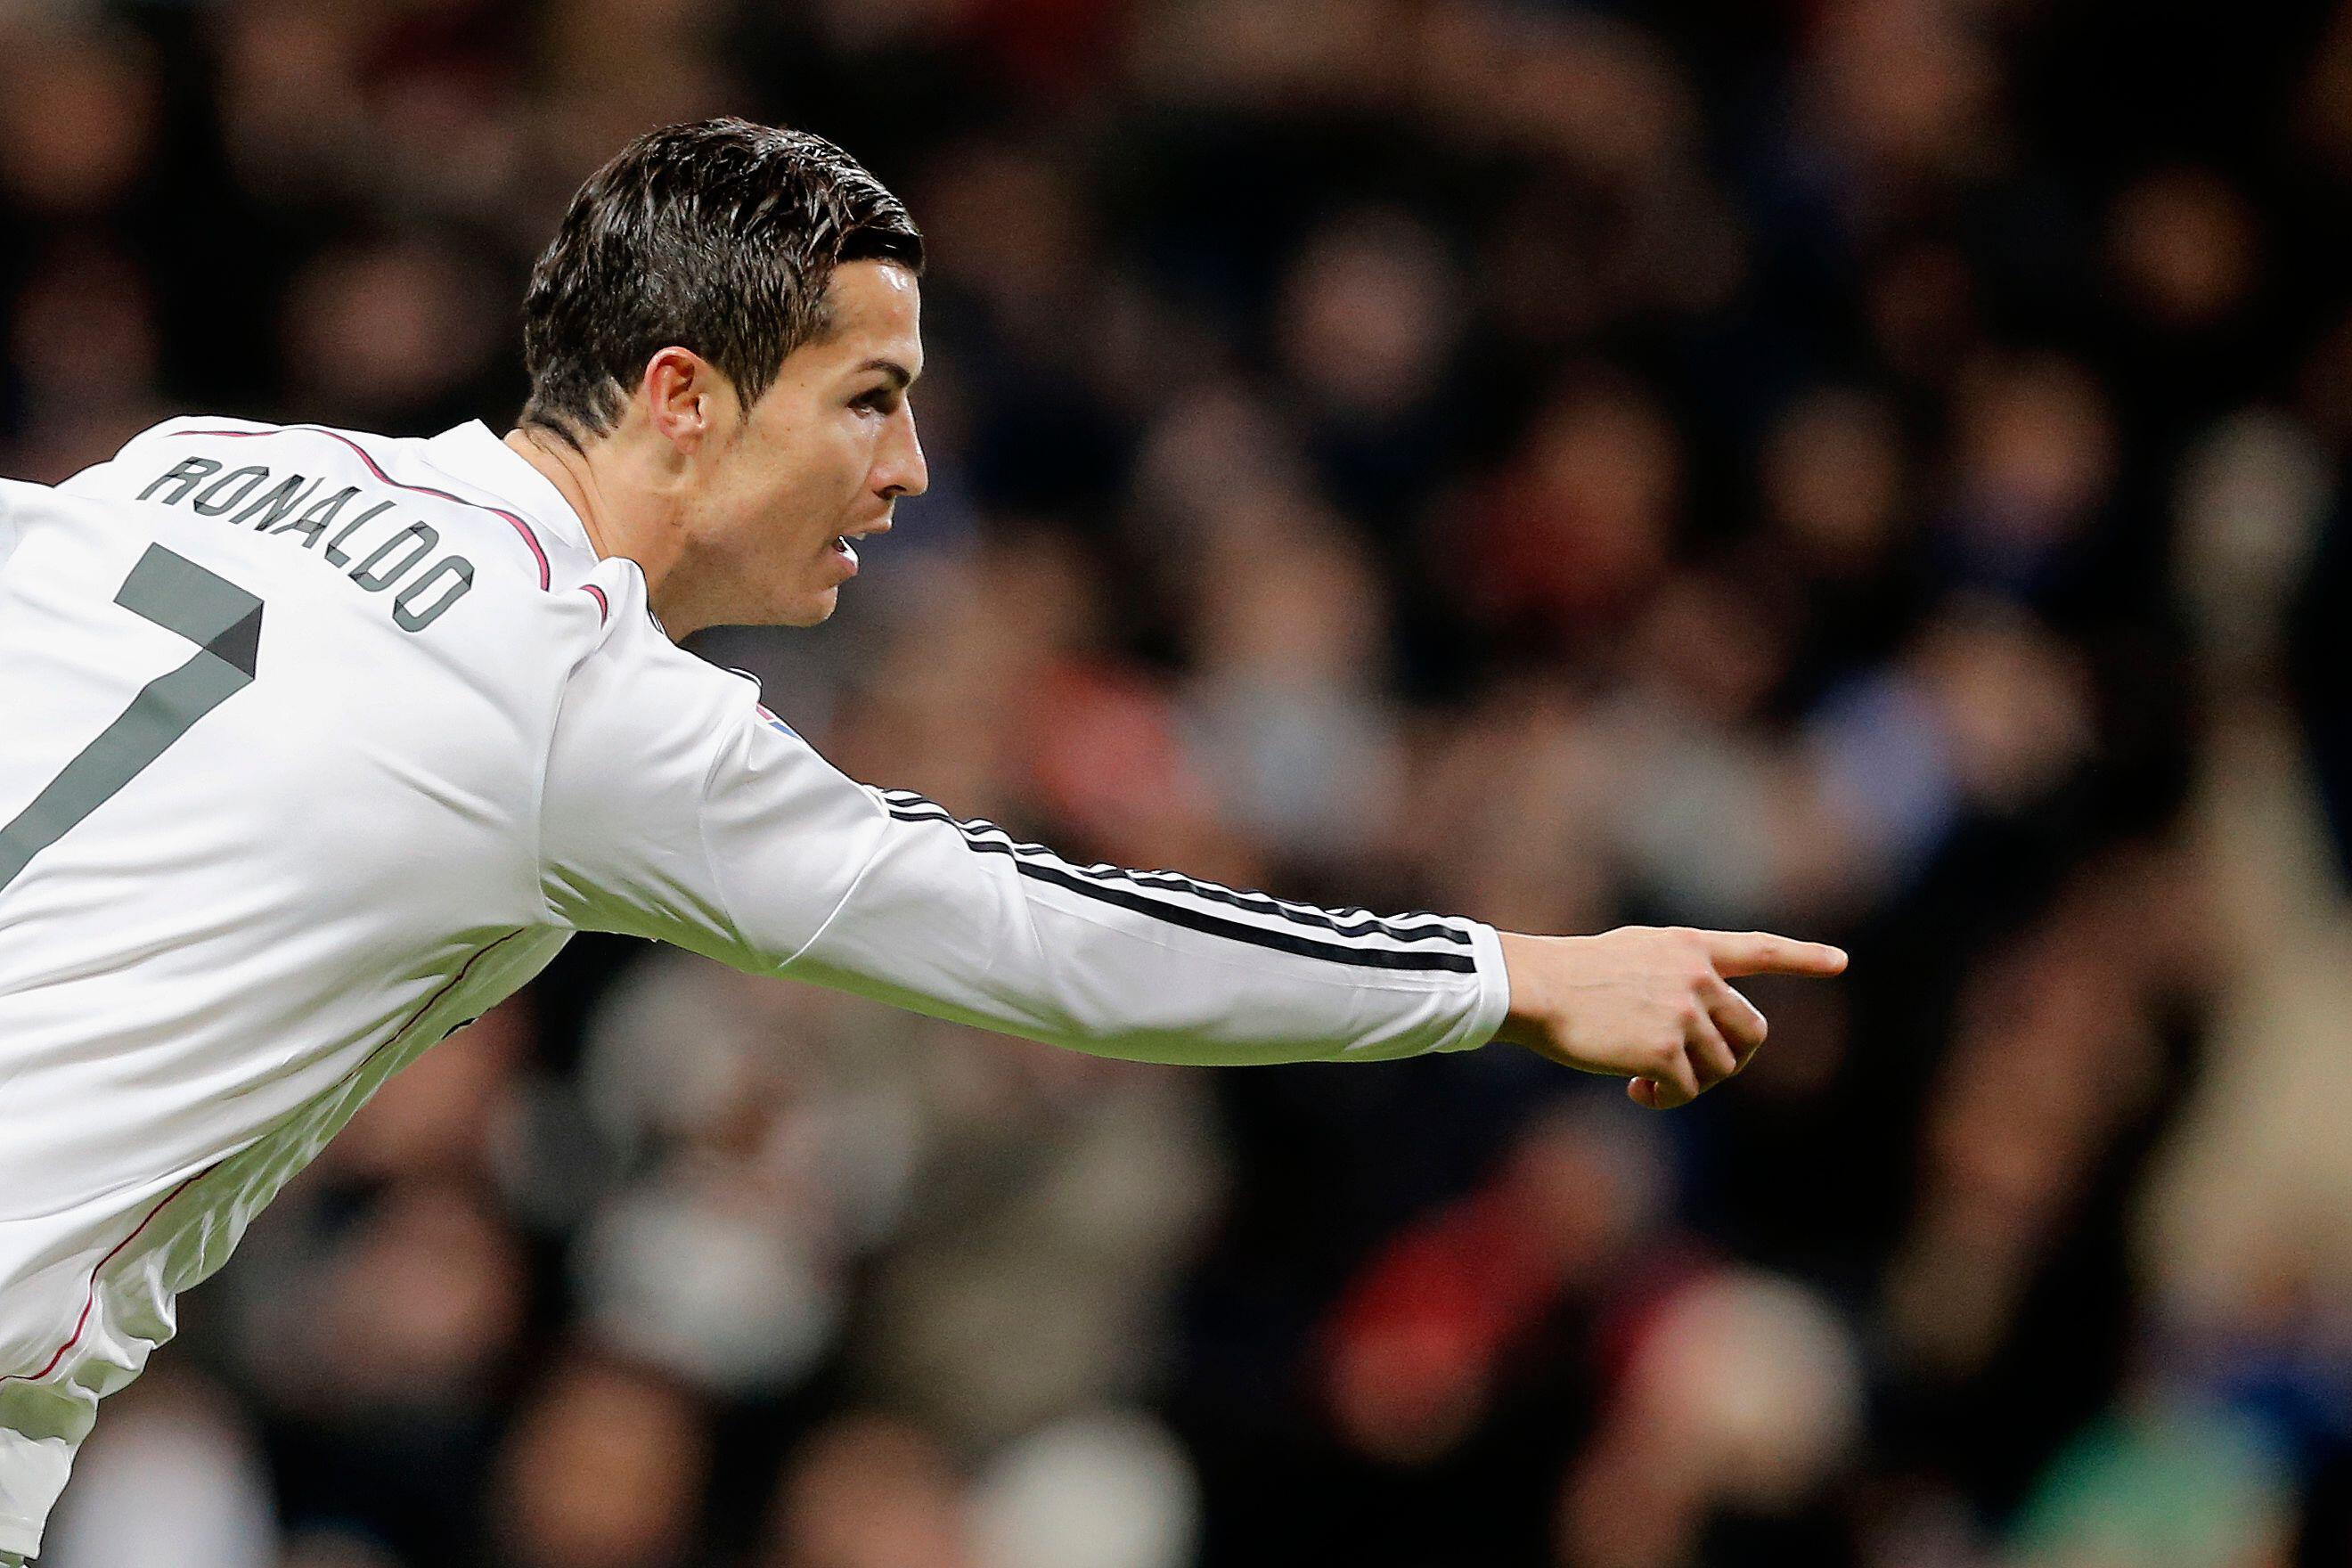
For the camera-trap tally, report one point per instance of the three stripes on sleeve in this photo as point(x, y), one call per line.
point(1421, 941)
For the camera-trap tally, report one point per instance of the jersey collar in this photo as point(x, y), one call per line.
point(470, 452)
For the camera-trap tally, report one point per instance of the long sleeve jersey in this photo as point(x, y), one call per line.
point(315, 745)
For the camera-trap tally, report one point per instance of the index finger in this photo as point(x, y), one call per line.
point(1734, 953)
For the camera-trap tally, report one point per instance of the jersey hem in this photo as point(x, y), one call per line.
point(19, 1536)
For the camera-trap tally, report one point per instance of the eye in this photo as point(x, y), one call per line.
point(881, 400)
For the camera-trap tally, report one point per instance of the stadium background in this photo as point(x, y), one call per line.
point(1875, 469)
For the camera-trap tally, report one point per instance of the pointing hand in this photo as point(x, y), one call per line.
point(1652, 1003)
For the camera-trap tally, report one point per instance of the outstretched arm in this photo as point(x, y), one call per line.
point(676, 808)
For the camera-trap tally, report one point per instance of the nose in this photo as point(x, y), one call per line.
point(902, 472)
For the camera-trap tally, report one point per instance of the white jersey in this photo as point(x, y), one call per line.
point(315, 745)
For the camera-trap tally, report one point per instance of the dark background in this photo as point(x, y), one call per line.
point(1871, 470)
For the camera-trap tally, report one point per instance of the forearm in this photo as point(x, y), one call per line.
point(959, 921)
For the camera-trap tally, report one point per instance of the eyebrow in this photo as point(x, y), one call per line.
point(900, 376)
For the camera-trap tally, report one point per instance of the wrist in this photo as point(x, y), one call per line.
point(1523, 1019)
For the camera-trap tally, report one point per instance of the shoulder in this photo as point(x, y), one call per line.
point(642, 728)
point(630, 646)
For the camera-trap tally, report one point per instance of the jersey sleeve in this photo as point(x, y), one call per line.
point(677, 808)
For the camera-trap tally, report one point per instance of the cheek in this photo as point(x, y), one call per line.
point(818, 470)
point(807, 482)
point(787, 513)
point(850, 450)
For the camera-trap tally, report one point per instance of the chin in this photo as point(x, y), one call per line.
point(809, 610)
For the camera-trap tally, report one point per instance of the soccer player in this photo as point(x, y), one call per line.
point(314, 744)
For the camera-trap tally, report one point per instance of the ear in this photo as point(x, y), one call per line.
point(687, 398)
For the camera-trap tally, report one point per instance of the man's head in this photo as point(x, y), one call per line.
point(719, 341)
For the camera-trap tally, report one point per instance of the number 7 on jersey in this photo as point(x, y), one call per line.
point(225, 623)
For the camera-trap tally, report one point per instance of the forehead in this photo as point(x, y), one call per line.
point(873, 307)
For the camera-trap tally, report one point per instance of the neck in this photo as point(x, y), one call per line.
point(620, 518)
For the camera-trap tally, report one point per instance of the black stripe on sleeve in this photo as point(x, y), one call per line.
point(1064, 876)
point(911, 807)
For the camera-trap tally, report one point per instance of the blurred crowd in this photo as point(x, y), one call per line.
point(1872, 468)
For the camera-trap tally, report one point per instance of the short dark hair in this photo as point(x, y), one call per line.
point(720, 236)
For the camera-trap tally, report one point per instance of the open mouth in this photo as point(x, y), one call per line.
point(841, 546)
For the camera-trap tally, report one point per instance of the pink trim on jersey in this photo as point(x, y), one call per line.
point(604, 604)
point(90, 1299)
point(519, 525)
